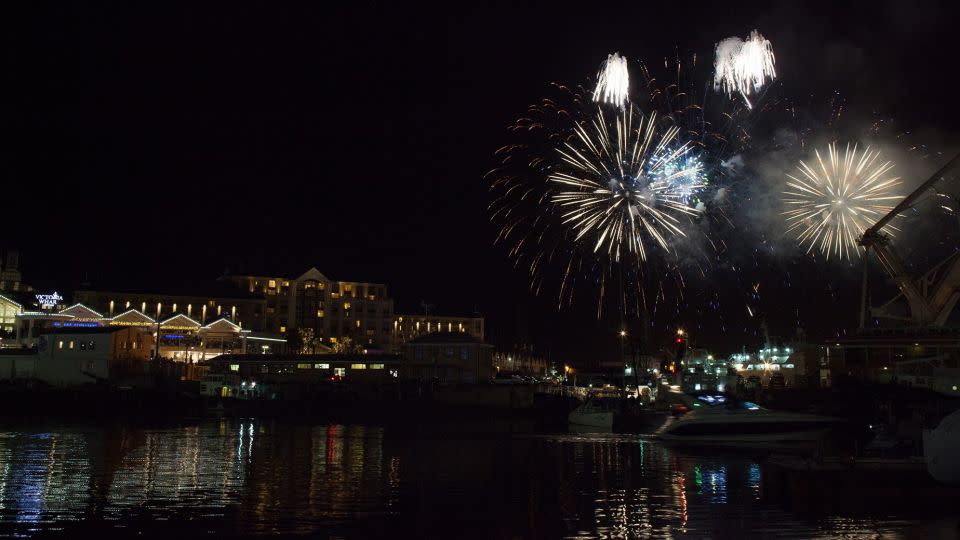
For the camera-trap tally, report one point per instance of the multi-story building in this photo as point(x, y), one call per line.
point(409, 327)
point(334, 310)
point(9, 309)
point(10, 276)
point(244, 309)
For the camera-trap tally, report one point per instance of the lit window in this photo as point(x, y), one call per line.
point(333, 339)
point(303, 366)
point(358, 366)
point(283, 329)
point(358, 324)
point(61, 344)
point(319, 313)
point(71, 344)
point(376, 366)
point(340, 372)
point(272, 284)
point(321, 366)
point(234, 367)
point(346, 305)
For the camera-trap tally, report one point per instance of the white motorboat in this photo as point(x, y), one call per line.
point(719, 420)
point(941, 450)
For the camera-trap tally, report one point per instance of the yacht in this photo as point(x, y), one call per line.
point(721, 420)
point(940, 450)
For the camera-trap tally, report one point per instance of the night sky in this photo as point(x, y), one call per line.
point(150, 146)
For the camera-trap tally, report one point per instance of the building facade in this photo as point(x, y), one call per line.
point(9, 310)
point(335, 310)
point(245, 310)
point(11, 280)
point(76, 356)
point(409, 327)
point(448, 357)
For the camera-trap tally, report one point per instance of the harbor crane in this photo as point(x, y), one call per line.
point(931, 297)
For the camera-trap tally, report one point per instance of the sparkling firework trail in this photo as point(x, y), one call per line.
point(743, 66)
point(618, 183)
point(613, 81)
point(831, 203)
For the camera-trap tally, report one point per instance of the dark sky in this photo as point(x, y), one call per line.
point(154, 144)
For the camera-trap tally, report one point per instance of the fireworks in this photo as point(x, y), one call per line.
point(743, 66)
point(621, 182)
point(613, 81)
point(830, 204)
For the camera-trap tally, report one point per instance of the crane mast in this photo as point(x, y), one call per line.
point(933, 296)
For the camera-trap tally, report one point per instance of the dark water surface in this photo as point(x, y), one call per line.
point(442, 479)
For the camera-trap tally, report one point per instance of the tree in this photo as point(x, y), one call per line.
point(345, 345)
point(305, 341)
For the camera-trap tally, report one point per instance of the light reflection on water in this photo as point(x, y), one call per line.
point(264, 476)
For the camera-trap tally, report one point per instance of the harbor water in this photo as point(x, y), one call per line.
point(442, 478)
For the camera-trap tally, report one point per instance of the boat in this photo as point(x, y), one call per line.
point(722, 420)
point(616, 413)
point(941, 450)
point(595, 412)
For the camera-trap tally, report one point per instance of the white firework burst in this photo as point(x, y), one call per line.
point(831, 203)
point(622, 182)
point(743, 67)
point(613, 81)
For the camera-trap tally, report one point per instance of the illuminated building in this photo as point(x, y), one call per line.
point(409, 327)
point(919, 357)
point(334, 310)
point(244, 309)
point(181, 338)
point(8, 316)
point(73, 356)
point(10, 276)
point(522, 360)
point(448, 357)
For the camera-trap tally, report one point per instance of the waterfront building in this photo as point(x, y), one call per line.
point(919, 357)
point(522, 361)
point(11, 279)
point(334, 310)
point(409, 327)
point(74, 356)
point(181, 338)
point(9, 310)
point(448, 357)
point(290, 376)
point(218, 301)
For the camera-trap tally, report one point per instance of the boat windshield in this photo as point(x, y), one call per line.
point(718, 400)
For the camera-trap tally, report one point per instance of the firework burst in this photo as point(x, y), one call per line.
point(743, 67)
point(622, 181)
point(831, 203)
point(613, 81)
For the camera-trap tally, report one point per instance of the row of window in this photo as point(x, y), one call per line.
point(81, 345)
point(324, 365)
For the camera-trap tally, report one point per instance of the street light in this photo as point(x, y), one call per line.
point(623, 333)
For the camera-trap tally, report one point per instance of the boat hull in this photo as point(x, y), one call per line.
point(591, 419)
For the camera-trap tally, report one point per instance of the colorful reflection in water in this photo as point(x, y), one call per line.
point(460, 479)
